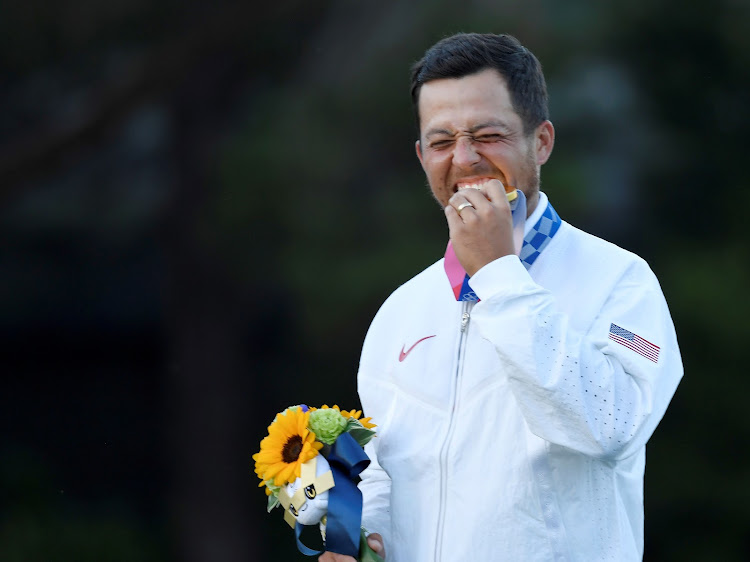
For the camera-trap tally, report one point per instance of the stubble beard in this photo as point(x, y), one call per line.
point(531, 189)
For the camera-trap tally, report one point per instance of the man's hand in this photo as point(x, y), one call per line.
point(375, 542)
point(482, 232)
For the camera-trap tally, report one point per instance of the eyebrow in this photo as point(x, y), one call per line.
point(474, 129)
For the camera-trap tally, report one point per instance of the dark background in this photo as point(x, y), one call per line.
point(202, 207)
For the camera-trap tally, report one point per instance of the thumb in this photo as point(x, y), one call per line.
point(375, 542)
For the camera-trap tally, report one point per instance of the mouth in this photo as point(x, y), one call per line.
point(480, 183)
point(471, 183)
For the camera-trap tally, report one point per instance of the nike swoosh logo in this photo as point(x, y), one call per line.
point(403, 354)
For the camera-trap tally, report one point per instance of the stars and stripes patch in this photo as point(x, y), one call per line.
point(634, 342)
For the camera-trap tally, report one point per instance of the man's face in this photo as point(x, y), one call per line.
point(470, 133)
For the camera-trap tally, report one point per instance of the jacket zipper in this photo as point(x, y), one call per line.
point(465, 317)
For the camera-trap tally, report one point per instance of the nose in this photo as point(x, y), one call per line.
point(464, 153)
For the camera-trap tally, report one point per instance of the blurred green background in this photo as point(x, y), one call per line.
point(203, 205)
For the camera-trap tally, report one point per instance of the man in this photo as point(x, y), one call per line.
point(514, 403)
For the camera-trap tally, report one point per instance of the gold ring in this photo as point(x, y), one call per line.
point(462, 206)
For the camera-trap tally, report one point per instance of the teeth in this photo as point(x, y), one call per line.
point(473, 186)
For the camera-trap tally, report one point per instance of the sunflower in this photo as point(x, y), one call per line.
point(288, 445)
point(259, 470)
point(351, 414)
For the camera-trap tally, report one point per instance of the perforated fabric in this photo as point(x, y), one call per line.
point(521, 436)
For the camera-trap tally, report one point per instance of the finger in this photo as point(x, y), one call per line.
point(375, 542)
point(473, 195)
point(454, 219)
point(462, 205)
point(494, 191)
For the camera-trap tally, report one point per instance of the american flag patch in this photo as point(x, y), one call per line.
point(634, 342)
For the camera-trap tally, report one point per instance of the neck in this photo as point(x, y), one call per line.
point(531, 202)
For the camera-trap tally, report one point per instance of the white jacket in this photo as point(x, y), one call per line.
point(515, 429)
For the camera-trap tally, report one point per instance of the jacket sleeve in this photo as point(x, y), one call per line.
point(584, 391)
point(376, 495)
point(375, 483)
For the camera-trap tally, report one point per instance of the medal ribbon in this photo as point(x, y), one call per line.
point(527, 247)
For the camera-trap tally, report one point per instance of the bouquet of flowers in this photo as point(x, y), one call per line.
point(308, 464)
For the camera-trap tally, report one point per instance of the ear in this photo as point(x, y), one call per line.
point(545, 141)
point(418, 148)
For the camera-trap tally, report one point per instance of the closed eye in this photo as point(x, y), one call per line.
point(441, 143)
point(489, 138)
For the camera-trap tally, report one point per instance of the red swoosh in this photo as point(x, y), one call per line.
point(403, 354)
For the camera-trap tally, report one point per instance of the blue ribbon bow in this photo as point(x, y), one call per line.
point(347, 460)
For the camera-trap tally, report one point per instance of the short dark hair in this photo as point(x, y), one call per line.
point(464, 54)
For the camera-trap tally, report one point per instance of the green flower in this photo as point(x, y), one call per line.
point(327, 424)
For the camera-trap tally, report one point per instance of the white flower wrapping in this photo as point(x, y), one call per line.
point(306, 498)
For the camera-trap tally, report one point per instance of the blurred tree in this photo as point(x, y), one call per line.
point(202, 207)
